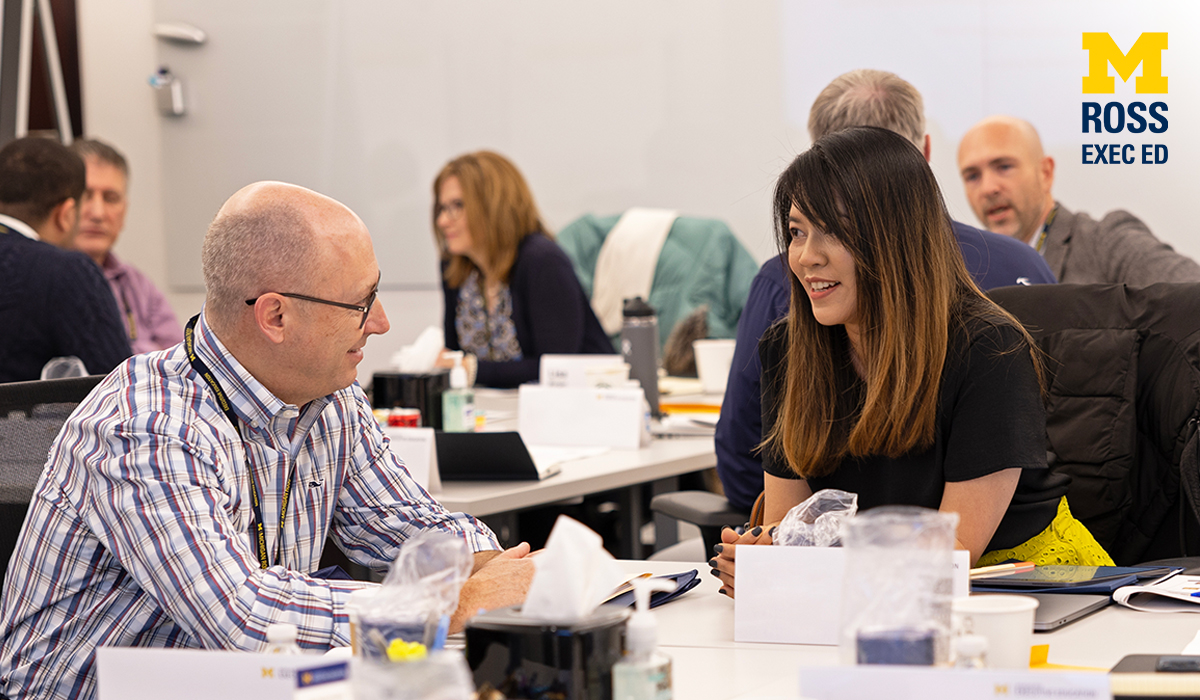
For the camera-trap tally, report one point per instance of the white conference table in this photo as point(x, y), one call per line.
point(616, 469)
point(696, 631)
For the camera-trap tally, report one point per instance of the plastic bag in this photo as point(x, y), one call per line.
point(898, 586)
point(817, 521)
point(411, 610)
point(443, 675)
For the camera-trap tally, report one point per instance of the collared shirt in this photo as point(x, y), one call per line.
point(148, 317)
point(139, 530)
point(19, 226)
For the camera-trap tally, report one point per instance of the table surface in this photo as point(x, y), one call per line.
point(696, 631)
point(614, 469)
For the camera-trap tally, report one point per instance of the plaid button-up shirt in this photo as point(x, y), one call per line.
point(139, 533)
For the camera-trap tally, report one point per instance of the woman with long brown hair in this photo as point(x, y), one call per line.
point(511, 292)
point(893, 376)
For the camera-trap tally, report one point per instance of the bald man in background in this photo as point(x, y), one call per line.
point(1008, 178)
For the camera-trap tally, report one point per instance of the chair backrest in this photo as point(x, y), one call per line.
point(1123, 381)
point(31, 415)
point(702, 263)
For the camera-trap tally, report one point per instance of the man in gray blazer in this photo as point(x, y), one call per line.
point(1008, 178)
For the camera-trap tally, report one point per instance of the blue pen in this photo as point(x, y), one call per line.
point(443, 629)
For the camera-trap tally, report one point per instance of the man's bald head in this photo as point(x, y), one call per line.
point(1016, 132)
point(1007, 176)
point(271, 237)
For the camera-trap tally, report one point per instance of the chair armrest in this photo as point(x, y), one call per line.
point(700, 508)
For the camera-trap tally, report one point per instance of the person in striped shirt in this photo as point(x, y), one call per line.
point(186, 501)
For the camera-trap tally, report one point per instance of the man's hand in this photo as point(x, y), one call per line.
point(500, 580)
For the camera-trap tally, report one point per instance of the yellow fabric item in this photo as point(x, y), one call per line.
point(1064, 541)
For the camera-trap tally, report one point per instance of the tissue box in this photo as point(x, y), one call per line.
point(583, 417)
point(422, 391)
point(526, 658)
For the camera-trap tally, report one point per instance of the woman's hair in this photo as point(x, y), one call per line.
point(499, 208)
point(872, 191)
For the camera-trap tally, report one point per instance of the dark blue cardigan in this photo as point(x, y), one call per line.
point(550, 312)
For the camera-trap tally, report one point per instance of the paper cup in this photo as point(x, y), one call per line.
point(1006, 621)
point(713, 358)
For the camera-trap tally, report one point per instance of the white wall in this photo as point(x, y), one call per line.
point(694, 105)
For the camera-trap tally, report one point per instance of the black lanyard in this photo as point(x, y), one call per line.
point(260, 533)
point(1041, 241)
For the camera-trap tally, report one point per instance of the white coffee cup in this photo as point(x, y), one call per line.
point(1005, 620)
point(713, 358)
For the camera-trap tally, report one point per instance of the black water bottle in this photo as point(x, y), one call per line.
point(639, 346)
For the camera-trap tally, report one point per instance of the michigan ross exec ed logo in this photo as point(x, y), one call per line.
point(1115, 117)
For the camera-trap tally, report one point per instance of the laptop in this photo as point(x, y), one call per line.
point(500, 456)
point(1057, 609)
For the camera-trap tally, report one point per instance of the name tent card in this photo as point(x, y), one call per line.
point(924, 682)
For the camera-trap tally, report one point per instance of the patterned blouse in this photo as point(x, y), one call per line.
point(488, 336)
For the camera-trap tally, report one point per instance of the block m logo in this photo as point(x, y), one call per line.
point(1102, 50)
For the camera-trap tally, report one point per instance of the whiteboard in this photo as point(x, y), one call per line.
point(694, 106)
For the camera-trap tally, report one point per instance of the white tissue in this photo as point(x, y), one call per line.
point(422, 354)
point(574, 574)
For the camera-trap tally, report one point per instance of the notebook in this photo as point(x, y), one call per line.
point(486, 457)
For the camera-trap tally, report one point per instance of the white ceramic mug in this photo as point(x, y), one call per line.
point(1006, 621)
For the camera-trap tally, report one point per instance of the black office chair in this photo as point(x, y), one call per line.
point(31, 415)
point(1123, 371)
point(706, 510)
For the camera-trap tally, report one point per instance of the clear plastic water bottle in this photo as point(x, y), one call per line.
point(639, 346)
point(970, 651)
point(281, 639)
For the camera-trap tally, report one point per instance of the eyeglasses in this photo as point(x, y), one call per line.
point(452, 209)
point(364, 309)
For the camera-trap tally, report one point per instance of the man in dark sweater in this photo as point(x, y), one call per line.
point(53, 302)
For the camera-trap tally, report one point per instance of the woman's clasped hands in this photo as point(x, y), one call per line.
point(725, 552)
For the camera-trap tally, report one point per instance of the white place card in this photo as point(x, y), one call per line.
point(572, 370)
point(924, 682)
point(562, 416)
point(415, 446)
point(800, 575)
point(129, 673)
point(329, 681)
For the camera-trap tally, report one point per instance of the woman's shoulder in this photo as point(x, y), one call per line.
point(540, 244)
point(987, 341)
point(538, 254)
point(990, 331)
point(773, 344)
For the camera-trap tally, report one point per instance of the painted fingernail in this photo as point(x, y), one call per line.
point(713, 562)
point(716, 573)
point(756, 531)
point(718, 548)
point(723, 592)
point(740, 530)
point(772, 532)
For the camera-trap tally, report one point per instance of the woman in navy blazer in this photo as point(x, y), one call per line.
point(511, 293)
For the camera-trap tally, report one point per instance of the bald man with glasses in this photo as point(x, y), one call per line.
point(186, 502)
